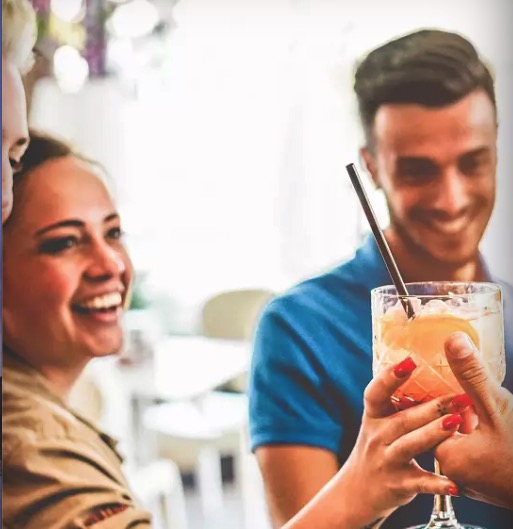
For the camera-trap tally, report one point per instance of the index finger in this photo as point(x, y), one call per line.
point(381, 388)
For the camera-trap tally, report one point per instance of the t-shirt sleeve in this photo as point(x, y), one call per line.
point(63, 484)
point(290, 401)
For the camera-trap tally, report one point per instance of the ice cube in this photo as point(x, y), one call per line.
point(417, 304)
point(397, 313)
point(435, 306)
point(456, 300)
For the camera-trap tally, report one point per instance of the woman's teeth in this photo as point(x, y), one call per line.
point(105, 302)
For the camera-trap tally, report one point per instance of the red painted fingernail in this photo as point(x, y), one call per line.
point(404, 368)
point(405, 402)
point(453, 490)
point(452, 421)
point(461, 402)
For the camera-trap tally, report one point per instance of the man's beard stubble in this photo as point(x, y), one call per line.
point(420, 253)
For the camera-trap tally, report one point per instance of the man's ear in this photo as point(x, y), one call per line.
point(367, 160)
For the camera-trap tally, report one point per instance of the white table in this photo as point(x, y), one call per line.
point(186, 367)
point(182, 369)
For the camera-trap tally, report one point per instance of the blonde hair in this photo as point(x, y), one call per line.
point(19, 32)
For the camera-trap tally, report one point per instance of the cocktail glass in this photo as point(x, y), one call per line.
point(441, 309)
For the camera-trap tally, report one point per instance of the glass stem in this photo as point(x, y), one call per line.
point(443, 516)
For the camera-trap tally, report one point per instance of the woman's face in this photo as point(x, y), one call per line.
point(66, 271)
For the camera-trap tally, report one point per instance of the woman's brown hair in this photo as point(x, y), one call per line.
point(44, 147)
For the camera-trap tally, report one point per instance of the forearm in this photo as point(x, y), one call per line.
point(293, 475)
point(335, 507)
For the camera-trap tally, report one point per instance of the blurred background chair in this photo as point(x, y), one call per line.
point(255, 512)
point(197, 434)
point(233, 314)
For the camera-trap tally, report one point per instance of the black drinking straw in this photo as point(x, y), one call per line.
point(381, 241)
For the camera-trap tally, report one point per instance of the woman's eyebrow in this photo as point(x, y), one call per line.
point(112, 216)
point(62, 224)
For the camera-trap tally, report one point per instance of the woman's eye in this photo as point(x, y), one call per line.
point(16, 165)
point(115, 233)
point(53, 246)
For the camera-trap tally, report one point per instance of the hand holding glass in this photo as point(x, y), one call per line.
point(441, 309)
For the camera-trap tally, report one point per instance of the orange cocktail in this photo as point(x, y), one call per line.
point(441, 309)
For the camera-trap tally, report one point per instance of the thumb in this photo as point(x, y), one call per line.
point(472, 374)
point(429, 483)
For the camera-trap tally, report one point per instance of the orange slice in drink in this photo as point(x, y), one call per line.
point(423, 338)
point(425, 334)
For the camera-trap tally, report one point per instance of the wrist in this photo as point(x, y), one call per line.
point(343, 503)
point(354, 501)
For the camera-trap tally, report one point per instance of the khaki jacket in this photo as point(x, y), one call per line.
point(59, 471)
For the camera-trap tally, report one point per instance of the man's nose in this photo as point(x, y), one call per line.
point(106, 262)
point(452, 194)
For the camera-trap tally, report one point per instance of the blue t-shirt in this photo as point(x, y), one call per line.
point(312, 361)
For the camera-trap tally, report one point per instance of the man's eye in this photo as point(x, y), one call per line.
point(58, 245)
point(472, 166)
point(16, 165)
point(421, 171)
point(419, 176)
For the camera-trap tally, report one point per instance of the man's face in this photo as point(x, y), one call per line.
point(437, 167)
point(14, 130)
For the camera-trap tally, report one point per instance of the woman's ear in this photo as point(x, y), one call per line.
point(367, 161)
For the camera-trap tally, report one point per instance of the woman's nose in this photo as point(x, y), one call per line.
point(106, 262)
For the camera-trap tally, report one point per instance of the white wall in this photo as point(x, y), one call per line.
point(230, 162)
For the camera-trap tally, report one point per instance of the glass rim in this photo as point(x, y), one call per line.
point(489, 288)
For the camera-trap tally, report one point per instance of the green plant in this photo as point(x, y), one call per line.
point(139, 299)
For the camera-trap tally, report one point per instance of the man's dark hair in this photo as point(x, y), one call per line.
point(428, 67)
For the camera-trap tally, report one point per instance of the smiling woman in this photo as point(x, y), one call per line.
point(66, 278)
point(64, 247)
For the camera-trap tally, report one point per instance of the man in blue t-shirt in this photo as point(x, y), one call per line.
point(428, 110)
